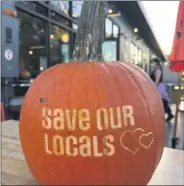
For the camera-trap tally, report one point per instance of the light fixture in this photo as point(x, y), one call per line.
point(114, 14)
point(74, 15)
point(110, 11)
point(31, 80)
point(136, 30)
point(176, 88)
point(41, 68)
point(51, 36)
point(166, 63)
point(30, 52)
point(65, 37)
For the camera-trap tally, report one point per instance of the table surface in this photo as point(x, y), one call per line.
point(15, 171)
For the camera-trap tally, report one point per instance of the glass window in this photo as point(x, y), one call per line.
point(131, 50)
point(76, 9)
point(108, 28)
point(139, 55)
point(33, 6)
point(33, 58)
point(74, 26)
point(58, 18)
point(136, 55)
point(60, 6)
point(60, 45)
point(109, 49)
point(115, 31)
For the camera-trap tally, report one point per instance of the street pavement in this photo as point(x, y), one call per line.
point(180, 130)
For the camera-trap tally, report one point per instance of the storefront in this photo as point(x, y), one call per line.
point(46, 32)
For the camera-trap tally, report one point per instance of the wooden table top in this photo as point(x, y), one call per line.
point(16, 172)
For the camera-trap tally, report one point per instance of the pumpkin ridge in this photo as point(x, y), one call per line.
point(155, 92)
point(105, 66)
point(70, 105)
point(121, 65)
point(95, 75)
point(108, 66)
point(145, 98)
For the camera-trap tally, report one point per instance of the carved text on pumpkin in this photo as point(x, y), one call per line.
point(87, 144)
point(83, 146)
point(60, 119)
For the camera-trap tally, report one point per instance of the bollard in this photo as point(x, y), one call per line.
point(2, 112)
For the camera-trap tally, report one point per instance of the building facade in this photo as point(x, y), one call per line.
point(44, 33)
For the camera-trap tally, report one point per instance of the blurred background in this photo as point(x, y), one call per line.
point(40, 34)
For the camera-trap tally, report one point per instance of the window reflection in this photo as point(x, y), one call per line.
point(60, 48)
point(32, 46)
point(140, 55)
point(135, 55)
point(60, 6)
point(131, 50)
point(109, 49)
point(115, 31)
point(76, 9)
point(108, 28)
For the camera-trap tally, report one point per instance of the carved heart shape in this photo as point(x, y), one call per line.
point(129, 140)
point(146, 140)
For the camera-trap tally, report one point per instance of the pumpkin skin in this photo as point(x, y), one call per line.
point(92, 86)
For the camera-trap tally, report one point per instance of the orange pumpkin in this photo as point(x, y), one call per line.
point(25, 74)
point(10, 12)
point(92, 123)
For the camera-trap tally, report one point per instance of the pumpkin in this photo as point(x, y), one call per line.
point(90, 122)
point(25, 74)
point(10, 12)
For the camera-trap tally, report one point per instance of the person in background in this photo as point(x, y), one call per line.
point(157, 77)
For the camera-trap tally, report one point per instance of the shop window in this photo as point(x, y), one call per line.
point(108, 28)
point(115, 31)
point(131, 51)
point(109, 49)
point(33, 58)
point(60, 6)
point(58, 18)
point(76, 9)
point(140, 55)
point(136, 55)
point(60, 45)
point(33, 6)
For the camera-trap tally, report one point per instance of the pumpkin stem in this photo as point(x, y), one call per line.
point(90, 33)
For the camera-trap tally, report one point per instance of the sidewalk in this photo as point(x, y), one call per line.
point(180, 130)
